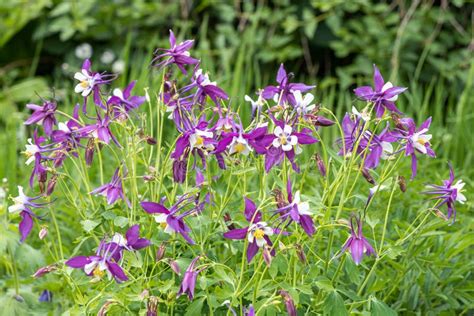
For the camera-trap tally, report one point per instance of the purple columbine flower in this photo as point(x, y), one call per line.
point(448, 193)
point(177, 54)
point(239, 142)
point(257, 233)
point(380, 147)
point(113, 190)
point(189, 281)
point(100, 264)
point(283, 92)
point(356, 243)
point(23, 204)
point(131, 241)
point(297, 211)
point(43, 115)
point(123, 101)
point(34, 152)
point(285, 142)
point(384, 95)
point(170, 219)
point(205, 88)
point(46, 296)
point(417, 140)
point(100, 130)
point(90, 82)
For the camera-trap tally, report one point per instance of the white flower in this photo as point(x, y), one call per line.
point(161, 219)
point(303, 105)
point(459, 186)
point(107, 57)
point(84, 51)
point(118, 66)
point(240, 145)
point(419, 139)
point(303, 207)
point(86, 83)
point(19, 201)
point(387, 150)
point(197, 140)
point(284, 138)
point(257, 232)
point(387, 86)
point(30, 152)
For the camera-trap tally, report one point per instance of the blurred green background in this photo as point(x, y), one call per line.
point(424, 45)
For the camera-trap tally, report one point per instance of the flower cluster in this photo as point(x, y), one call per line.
point(284, 128)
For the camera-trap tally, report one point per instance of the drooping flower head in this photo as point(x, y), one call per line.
point(383, 95)
point(24, 205)
point(357, 244)
point(177, 54)
point(113, 190)
point(131, 241)
point(43, 115)
point(123, 102)
point(296, 211)
point(257, 233)
point(448, 193)
point(189, 280)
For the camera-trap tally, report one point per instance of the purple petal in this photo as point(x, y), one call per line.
point(305, 138)
point(378, 79)
point(25, 225)
point(364, 92)
point(78, 262)
point(281, 75)
point(117, 271)
point(152, 207)
point(250, 210)
point(252, 250)
point(132, 234)
point(236, 233)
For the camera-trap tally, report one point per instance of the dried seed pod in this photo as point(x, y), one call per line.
point(320, 164)
point(160, 252)
point(279, 198)
point(43, 232)
point(267, 256)
point(228, 221)
point(300, 253)
point(51, 184)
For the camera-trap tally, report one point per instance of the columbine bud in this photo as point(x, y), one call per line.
point(150, 140)
point(397, 121)
point(148, 178)
point(267, 256)
point(321, 165)
point(51, 184)
point(151, 306)
point(402, 183)
point(144, 294)
point(290, 305)
point(343, 221)
point(228, 221)
point(300, 253)
point(175, 267)
point(89, 153)
point(43, 177)
point(365, 172)
point(439, 214)
point(43, 232)
point(279, 198)
point(160, 253)
point(103, 310)
point(322, 121)
point(44, 270)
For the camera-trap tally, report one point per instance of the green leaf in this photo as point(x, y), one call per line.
point(334, 305)
point(379, 308)
point(195, 307)
point(121, 221)
point(324, 284)
point(89, 225)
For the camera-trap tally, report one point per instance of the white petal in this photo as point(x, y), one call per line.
point(293, 140)
point(420, 147)
point(387, 86)
point(78, 88)
point(268, 231)
point(303, 208)
point(276, 143)
point(286, 147)
point(287, 129)
point(88, 268)
point(79, 76)
point(118, 93)
point(277, 131)
point(261, 242)
point(161, 218)
point(308, 98)
point(297, 197)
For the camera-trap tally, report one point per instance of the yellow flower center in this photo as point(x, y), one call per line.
point(163, 225)
point(98, 273)
point(283, 140)
point(422, 141)
point(258, 233)
point(199, 140)
point(239, 147)
point(84, 84)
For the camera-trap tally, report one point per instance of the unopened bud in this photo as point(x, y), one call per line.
point(267, 256)
point(175, 267)
point(365, 172)
point(402, 183)
point(150, 140)
point(152, 306)
point(279, 198)
point(228, 221)
point(144, 294)
point(160, 253)
point(439, 214)
point(51, 184)
point(148, 178)
point(104, 308)
point(89, 152)
point(44, 270)
point(43, 232)
point(321, 165)
point(343, 221)
point(300, 253)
